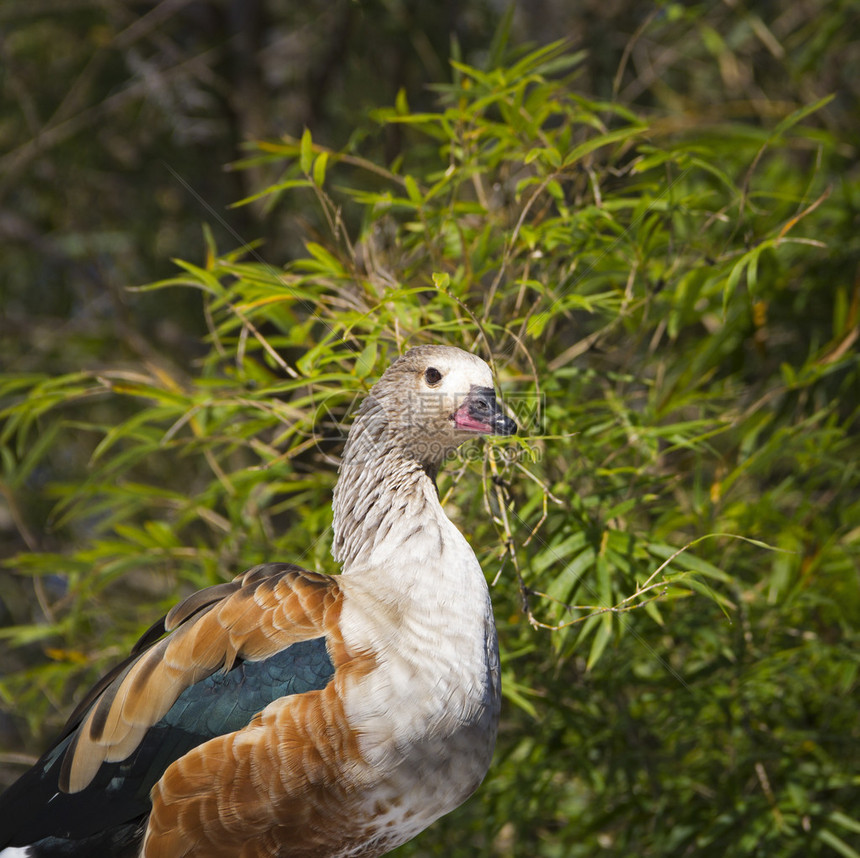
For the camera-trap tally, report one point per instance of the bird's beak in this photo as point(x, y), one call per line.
point(481, 413)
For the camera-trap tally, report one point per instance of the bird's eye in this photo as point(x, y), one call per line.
point(432, 376)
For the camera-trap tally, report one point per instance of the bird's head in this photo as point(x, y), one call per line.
point(434, 398)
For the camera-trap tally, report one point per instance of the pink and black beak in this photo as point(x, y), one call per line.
point(481, 413)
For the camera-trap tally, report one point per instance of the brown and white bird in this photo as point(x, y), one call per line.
point(294, 714)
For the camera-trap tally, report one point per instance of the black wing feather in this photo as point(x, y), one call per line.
point(34, 808)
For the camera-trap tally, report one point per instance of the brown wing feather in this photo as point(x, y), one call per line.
point(178, 614)
point(258, 614)
point(288, 781)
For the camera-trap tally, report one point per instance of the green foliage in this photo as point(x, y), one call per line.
point(672, 312)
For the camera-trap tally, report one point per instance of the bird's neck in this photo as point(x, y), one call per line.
point(386, 506)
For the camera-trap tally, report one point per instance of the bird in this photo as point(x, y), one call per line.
point(292, 713)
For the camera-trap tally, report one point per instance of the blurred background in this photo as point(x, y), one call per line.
point(119, 121)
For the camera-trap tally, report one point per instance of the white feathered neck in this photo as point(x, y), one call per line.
point(386, 492)
point(382, 497)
